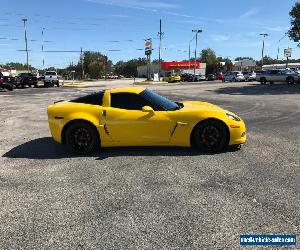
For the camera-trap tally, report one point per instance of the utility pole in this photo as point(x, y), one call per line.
point(263, 47)
point(81, 61)
point(197, 32)
point(26, 47)
point(160, 34)
point(43, 47)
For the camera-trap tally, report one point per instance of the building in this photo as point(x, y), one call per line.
point(173, 67)
point(282, 66)
point(244, 65)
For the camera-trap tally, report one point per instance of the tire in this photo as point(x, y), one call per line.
point(290, 80)
point(263, 80)
point(223, 79)
point(210, 136)
point(88, 141)
point(271, 82)
point(235, 147)
point(9, 87)
point(57, 84)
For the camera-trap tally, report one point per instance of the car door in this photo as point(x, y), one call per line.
point(128, 124)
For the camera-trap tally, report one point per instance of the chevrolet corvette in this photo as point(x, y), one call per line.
point(136, 116)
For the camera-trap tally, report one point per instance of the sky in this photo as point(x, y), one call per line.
point(117, 28)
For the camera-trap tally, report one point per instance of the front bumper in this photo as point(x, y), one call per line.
point(238, 134)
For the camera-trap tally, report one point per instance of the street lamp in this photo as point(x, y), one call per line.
point(197, 32)
point(263, 47)
point(190, 52)
point(26, 48)
point(285, 34)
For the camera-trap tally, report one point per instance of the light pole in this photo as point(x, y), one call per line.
point(263, 47)
point(197, 32)
point(285, 34)
point(26, 48)
point(190, 52)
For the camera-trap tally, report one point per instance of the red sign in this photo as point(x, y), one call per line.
point(180, 65)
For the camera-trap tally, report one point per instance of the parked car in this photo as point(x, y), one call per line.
point(279, 75)
point(51, 79)
point(199, 78)
point(26, 79)
point(219, 75)
point(233, 76)
point(210, 77)
point(186, 77)
point(249, 76)
point(172, 78)
point(5, 83)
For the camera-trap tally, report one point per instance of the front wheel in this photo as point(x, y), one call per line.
point(210, 136)
point(263, 80)
point(290, 80)
point(82, 138)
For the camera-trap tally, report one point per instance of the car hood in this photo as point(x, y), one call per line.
point(196, 105)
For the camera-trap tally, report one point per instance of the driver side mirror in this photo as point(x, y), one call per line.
point(147, 109)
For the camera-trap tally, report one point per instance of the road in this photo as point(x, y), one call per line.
point(150, 198)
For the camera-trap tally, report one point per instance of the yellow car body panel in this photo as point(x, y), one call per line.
point(120, 127)
point(172, 78)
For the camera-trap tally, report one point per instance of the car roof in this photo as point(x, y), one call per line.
point(135, 90)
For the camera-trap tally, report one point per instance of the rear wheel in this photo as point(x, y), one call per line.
point(82, 138)
point(210, 136)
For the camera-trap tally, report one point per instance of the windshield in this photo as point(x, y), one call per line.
point(50, 73)
point(159, 101)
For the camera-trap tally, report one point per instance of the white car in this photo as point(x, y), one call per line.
point(51, 79)
point(249, 76)
point(233, 76)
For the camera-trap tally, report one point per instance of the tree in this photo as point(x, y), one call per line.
point(294, 32)
point(129, 68)
point(239, 58)
point(208, 56)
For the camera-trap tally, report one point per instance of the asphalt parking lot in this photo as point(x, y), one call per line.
point(150, 198)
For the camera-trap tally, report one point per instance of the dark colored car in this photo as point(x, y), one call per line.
point(5, 82)
point(27, 79)
point(185, 77)
point(210, 77)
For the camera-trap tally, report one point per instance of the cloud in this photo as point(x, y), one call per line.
point(250, 13)
point(277, 28)
point(219, 38)
point(137, 4)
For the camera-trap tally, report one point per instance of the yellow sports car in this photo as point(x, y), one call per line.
point(139, 117)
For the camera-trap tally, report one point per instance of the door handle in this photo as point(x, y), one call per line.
point(181, 123)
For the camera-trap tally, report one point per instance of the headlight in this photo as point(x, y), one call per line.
point(233, 117)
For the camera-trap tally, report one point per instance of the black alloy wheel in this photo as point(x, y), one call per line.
point(211, 136)
point(82, 138)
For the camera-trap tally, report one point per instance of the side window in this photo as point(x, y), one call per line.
point(93, 99)
point(128, 101)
